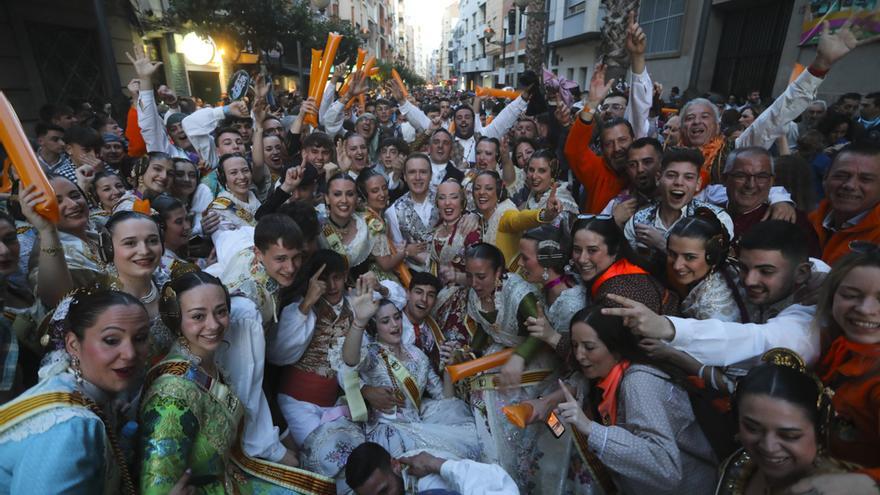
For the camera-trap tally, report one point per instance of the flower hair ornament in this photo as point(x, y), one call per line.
point(57, 325)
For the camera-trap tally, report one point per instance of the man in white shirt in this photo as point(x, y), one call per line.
point(777, 281)
point(371, 470)
point(412, 217)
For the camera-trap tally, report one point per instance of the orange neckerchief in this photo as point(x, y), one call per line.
point(610, 385)
point(710, 152)
point(620, 267)
point(848, 358)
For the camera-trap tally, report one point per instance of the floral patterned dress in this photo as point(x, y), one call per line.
point(451, 307)
point(435, 421)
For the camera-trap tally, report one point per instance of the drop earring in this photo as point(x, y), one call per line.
point(546, 275)
point(76, 370)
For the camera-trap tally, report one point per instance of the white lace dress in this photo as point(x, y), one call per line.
point(711, 299)
point(437, 422)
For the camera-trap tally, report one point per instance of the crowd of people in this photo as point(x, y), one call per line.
point(553, 294)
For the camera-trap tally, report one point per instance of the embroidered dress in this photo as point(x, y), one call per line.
point(450, 309)
point(235, 213)
point(737, 471)
point(431, 421)
point(309, 394)
point(358, 249)
point(82, 259)
point(503, 443)
point(55, 441)
point(187, 420)
point(711, 298)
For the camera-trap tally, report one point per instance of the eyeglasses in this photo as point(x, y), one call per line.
point(742, 177)
point(611, 106)
point(587, 216)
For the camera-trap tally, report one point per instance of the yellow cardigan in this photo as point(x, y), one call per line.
point(510, 228)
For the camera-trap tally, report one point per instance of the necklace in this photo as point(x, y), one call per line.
point(151, 296)
point(342, 229)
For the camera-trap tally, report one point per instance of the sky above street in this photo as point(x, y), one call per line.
point(428, 14)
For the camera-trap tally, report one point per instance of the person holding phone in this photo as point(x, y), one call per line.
point(635, 424)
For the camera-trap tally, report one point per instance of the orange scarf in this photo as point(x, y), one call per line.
point(610, 385)
point(848, 358)
point(710, 152)
point(620, 267)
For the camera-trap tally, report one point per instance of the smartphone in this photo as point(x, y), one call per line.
point(556, 426)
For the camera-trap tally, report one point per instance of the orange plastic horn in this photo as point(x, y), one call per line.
point(357, 66)
point(518, 414)
point(24, 160)
point(471, 368)
point(497, 93)
point(397, 78)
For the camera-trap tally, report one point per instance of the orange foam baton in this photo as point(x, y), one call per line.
point(518, 414)
point(316, 67)
point(333, 40)
point(471, 368)
point(25, 160)
point(397, 78)
point(497, 93)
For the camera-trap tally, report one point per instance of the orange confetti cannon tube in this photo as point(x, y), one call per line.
point(397, 78)
point(497, 93)
point(25, 160)
point(518, 414)
point(316, 67)
point(471, 368)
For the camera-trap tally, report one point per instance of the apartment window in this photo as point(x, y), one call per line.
point(662, 22)
point(574, 6)
point(582, 78)
point(569, 73)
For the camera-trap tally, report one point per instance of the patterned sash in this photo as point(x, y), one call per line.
point(399, 372)
point(597, 470)
point(334, 241)
point(184, 369)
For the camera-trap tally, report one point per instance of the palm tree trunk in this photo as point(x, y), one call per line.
point(535, 29)
point(612, 48)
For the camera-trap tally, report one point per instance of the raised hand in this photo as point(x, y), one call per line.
point(397, 90)
point(362, 304)
point(636, 41)
point(210, 222)
point(562, 112)
point(422, 464)
point(640, 319)
point(834, 46)
point(570, 411)
point(239, 109)
point(261, 87)
point(144, 67)
point(554, 207)
point(599, 88)
point(342, 158)
point(292, 179)
point(85, 175)
point(29, 199)
point(167, 95)
point(317, 287)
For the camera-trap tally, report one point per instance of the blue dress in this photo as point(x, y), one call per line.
point(60, 450)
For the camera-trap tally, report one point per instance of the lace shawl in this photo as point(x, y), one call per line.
point(505, 328)
point(711, 298)
point(569, 302)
